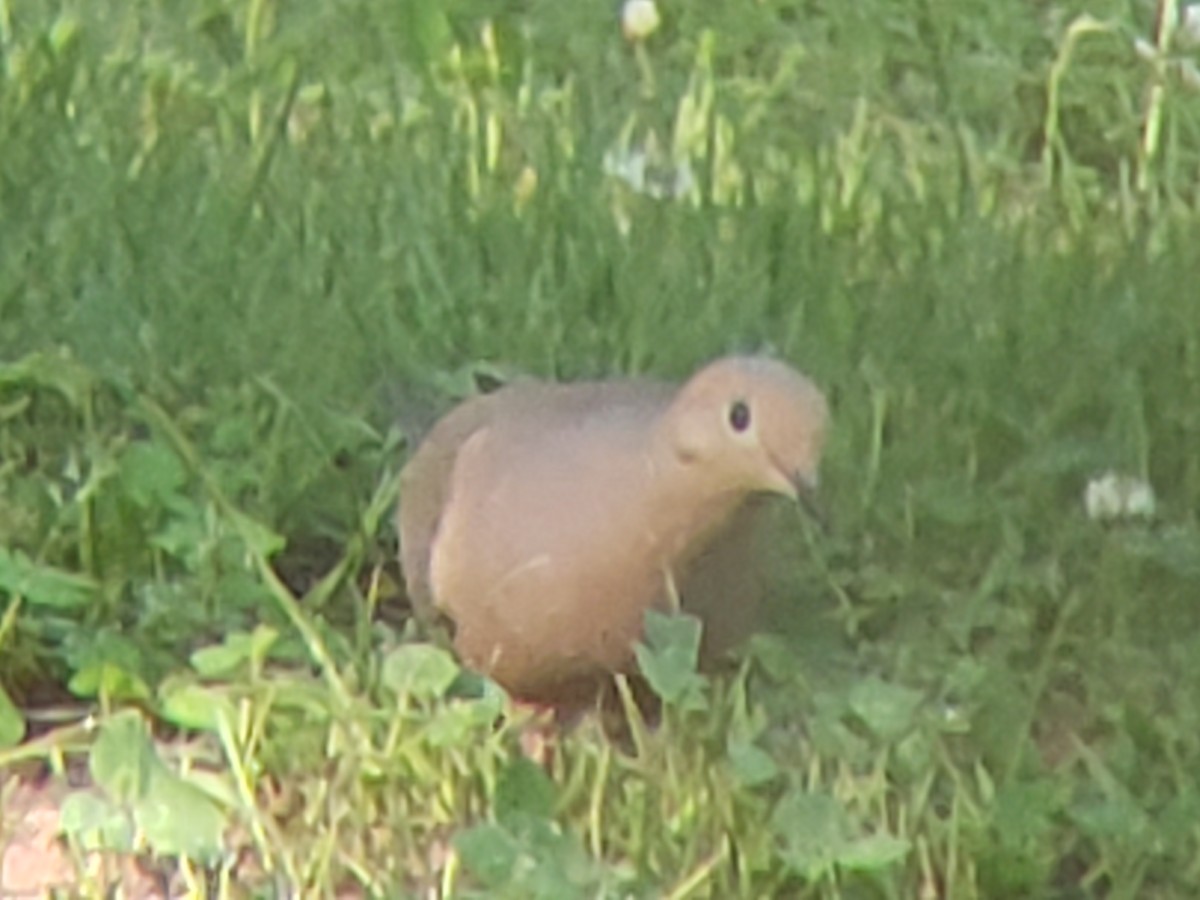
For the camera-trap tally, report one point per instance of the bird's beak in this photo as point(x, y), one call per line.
point(801, 485)
point(807, 496)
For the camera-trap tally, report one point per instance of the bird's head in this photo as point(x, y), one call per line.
point(750, 424)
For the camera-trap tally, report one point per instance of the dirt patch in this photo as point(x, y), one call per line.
point(35, 860)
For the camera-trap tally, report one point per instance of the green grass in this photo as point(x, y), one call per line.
point(247, 249)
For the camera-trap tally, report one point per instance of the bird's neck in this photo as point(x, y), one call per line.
point(692, 507)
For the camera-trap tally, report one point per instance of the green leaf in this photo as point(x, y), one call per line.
point(151, 474)
point(216, 24)
point(1024, 812)
point(831, 736)
point(489, 853)
point(871, 853)
point(751, 765)
point(815, 835)
point(419, 671)
point(224, 658)
point(523, 790)
point(175, 815)
point(64, 33)
point(777, 657)
point(811, 830)
point(914, 754)
point(1178, 817)
point(888, 710)
point(183, 534)
point(1019, 854)
point(238, 648)
point(54, 370)
point(43, 585)
point(196, 706)
point(427, 30)
point(461, 721)
point(14, 408)
point(540, 861)
point(178, 818)
point(93, 822)
point(668, 657)
point(553, 865)
point(123, 756)
point(261, 540)
point(1110, 814)
point(108, 680)
point(999, 722)
point(310, 699)
point(12, 723)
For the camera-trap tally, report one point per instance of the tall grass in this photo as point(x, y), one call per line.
point(240, 243)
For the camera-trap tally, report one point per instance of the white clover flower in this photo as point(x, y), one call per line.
point(1112, 496)
point(647, 171)
point(628, 165)
point(1145, 50)
point(1139, 499)
point(1102, 498)
point(639, 19)
point(1189, 73)
point(1189, 24)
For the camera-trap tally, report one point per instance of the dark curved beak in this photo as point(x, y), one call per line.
point(808, 497)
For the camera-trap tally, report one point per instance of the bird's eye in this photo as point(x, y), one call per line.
point(739, 416)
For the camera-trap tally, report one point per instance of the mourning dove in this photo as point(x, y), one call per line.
point(544, 519)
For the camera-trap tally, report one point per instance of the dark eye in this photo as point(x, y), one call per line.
point(739, 415)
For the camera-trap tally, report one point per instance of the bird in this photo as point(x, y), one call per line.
point(544, 519)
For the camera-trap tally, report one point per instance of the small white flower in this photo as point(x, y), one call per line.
point(1113, 496)
point(639, 19)
point(1139, 499)
point(628, 166)
point(648, 171)
point(1189, 24)
point(1189, 73)
point(1145, 50)
point(1101, 498)
point(953, 716)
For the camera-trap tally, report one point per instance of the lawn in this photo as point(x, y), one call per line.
point(249, 251)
